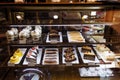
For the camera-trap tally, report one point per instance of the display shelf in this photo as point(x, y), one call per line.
point(61, 24)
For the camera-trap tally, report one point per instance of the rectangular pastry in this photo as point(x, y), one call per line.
point(89, 56)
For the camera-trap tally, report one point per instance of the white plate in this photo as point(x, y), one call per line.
point(39, 55)
point(76, 41)
point(52, 57)
point(23, 51)
point(72, 62)
point(102, 56)
point(86, 60)
point(61, 40)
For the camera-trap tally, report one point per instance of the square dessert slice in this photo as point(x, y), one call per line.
point(86, 49)
point(89, 56)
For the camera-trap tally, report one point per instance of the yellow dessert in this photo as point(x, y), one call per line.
point(18, 52)
point(14, 59)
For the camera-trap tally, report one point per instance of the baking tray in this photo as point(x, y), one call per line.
point(75, 41)
point(51, 58)
point(88, 61)
point(54, 41)
point(23, 51)
point(72, 62)
point(39, 55)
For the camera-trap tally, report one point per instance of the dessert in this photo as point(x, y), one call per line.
point(14, 59)
point(18, 52)
point(54, 35)
point(109, 55)
point(89, 55)
point(75, 36)
point(69, 55)
point(16, 56)
point(31, 57)
point(10, 35)
point(102, 48)
point(86, 49)
point(50, 56)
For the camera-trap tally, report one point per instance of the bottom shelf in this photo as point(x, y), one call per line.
point(66, 74)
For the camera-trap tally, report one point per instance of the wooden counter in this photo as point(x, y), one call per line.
point(67, 74)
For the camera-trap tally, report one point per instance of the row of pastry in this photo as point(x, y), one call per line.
point(69, 55)
point(36, 33)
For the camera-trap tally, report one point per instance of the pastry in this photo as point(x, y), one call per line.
point(32, 55)
point(75, 36)
point(102, 48)
point(14, 59)
point(54, 35)
point(69, 55)
point(89, 56)
point(31, 59)
point(86, 49)
point(70, 58)
point(18, 52)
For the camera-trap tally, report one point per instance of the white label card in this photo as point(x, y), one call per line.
point(31, 64)
point(68, 64)
point(91, 63)
point(10, 64)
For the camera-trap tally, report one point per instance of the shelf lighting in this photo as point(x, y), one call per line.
point(55, 16)
point(93, 13)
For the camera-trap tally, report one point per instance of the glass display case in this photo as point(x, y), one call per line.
point(64, 40)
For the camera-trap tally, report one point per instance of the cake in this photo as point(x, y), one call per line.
point(31, 57)
point(109, 55)
point(102, 48)
point(54, 35)
point(14, 59)
point(89, 56)
point(69, 55)
point(70, 58)
point(75, 36)
point(18, 52)
point(10, 35)
point(86, 49)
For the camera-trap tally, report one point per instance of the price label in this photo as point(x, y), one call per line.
point(23, 41)
point(68, 64)
point(53, 42)
point(31, 64)
point(91, 63)
point(11, 64)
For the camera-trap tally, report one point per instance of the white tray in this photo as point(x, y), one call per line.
point(51, 56)
point(102, 56)
point(48, 41)
point(75, 41)
point(39, 55)
point(88, 61)
point(23, 51)
point(72, 62)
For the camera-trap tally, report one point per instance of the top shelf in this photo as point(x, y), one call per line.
point(59, 3)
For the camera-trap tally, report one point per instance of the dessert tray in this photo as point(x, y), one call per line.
point(95, 72)
point(51, 56)
point(106, 54)
point(36, 57)
point(57, 40)
point(75, 37)
point(69, 55)
point(20, 56)
point(96, 60)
